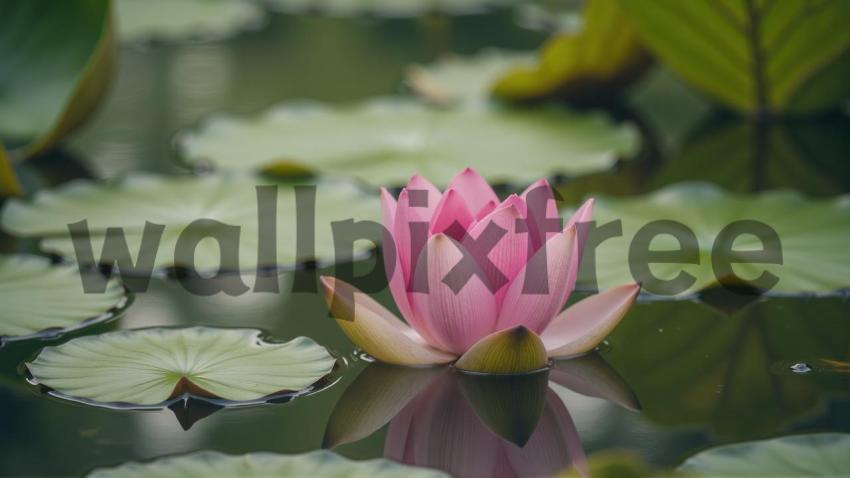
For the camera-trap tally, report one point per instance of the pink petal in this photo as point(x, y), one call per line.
point(543, 207)
point(474, 190)
point(522, 304)
point(388, 209)
point(460, 319)
point(392, 263)
point(584, 325)
point(584, 214)
point(487, 209)
point(452, 216)
point(433, 195)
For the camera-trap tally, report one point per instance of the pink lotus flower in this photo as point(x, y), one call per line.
point(478, 280)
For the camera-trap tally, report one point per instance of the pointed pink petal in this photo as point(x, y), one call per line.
point(486, 209)
point(392, 263)
point(541, 206)
point(474, 190)
point(407, 216)
point(388, 209)
point(581, 327)
point(452, 216)
point(374, 329)
point(523, 303)
point(510, 254)
point(584, 214)
point(433, 195)
point(457, 320)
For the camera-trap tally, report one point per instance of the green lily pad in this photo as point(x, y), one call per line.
point(148, 367)
point(40, 299)
point(186, 19)
point(453, 79)
point(57, 60)
point(176, 202)
point(818, 454)
point(811, 232)
point(754, 58)
point(385, 141)
point(388, 8)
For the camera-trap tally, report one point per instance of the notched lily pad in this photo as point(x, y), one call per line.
point(185, 19)
point(42, 300)
point(385, 141)
point(203, 464)
point(811, 233)
point(152, 368)
point(176, 203)
point(388, 8)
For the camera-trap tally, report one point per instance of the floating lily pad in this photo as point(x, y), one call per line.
point(148, 367)
point(388, 8)
point(176, 202)
point(811, 232)
point(453, 78)
point(323, 463)
point(57, 60)
point(185, 19)
point(819, 454)
point(754, 58)
point(40, 299)
point(385, 141)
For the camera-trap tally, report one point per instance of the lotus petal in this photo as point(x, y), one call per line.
point(508, 351)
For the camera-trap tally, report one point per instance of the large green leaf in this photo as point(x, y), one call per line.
point(56, 61)
point(147, 367)
point(386, 141)
point(819, 454)
point(40, 299)
point(696, 366)
point(811, 233)
point(758, 57)
point(388, 8)
point(185, 19)
point(324, 464)
point(178, 201)
point(604, 54)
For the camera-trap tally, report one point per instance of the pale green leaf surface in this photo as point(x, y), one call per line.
point(37, 297)
point(384, 142)
point(171, 20)
point(147, 366)
point(177, 201)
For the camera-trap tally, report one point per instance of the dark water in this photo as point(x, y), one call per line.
point(703, 372)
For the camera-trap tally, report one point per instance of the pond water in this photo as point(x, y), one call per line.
point(679, 375)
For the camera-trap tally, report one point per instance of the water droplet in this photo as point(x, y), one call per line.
point(660, 331)
point(801, 367)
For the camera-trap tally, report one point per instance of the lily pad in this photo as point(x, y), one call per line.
point(819, 454)
point(385, 141)
point(388, 8)
point(811, 232)
point(40, 299)
point(176, 202)
point(754, 58)
point(186, 19)
point(323, 463)
point(57, 61)
point(149, 367)
point(453, 79)
point(604, 54)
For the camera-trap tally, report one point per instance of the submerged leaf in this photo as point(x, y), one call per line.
point(760, 58)
point(604, 54)
point(40, 299)
point(204, 464)
point(185, 19)
point(176, 202)
point(150, 366)
point(58, 60)
point(811, 232)
point(386, 141)
point(817, 454)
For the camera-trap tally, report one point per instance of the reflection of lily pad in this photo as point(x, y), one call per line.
point(388, 8)
point(454, 79)
point(385, 142)
point(177, 202)
point(812, 234)
point(57, 60)
point(697, 366)
point(40, 299)
point(204, 464)
point(149, 366)
point(820, 454)
point(185, 19)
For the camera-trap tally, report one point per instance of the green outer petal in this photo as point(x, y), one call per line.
point(510, 351)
